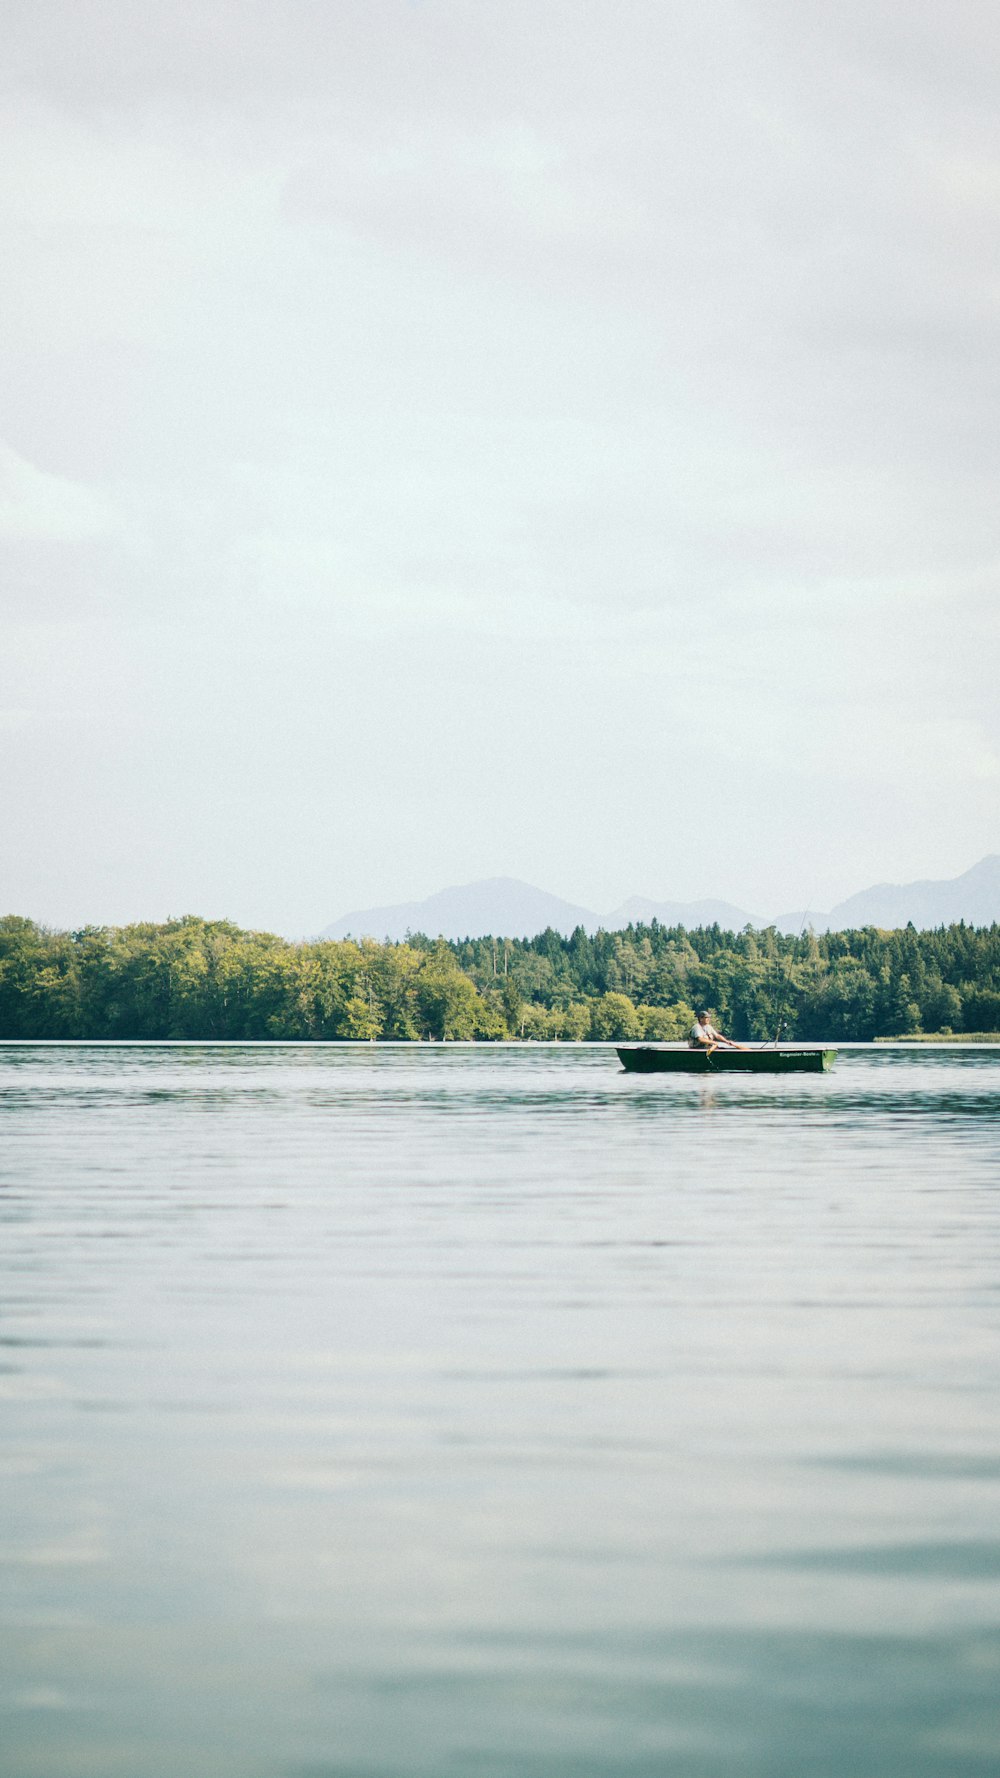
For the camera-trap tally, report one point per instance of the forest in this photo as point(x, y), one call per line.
point(196, 978)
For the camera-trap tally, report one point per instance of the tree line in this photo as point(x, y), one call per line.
point(195, 978)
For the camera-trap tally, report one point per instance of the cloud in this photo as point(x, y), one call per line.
point(540, 371)
point(36, 507)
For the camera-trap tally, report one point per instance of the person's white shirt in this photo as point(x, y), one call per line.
point(703, 1033)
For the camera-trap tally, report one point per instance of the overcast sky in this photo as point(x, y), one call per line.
point(446, 438)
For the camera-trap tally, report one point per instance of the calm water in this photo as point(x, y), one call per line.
point(443, 1411)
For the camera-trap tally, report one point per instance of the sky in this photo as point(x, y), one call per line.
point(443, 439)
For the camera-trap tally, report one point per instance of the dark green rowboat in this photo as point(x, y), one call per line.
point(679, 1059)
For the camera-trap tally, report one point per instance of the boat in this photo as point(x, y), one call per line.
point(678, 1058)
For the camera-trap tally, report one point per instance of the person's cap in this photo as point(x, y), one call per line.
point(703, 1013)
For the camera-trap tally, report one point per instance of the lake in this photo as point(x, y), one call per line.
point(375, 1412)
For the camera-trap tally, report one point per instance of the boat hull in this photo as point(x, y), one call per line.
point(647, 1059)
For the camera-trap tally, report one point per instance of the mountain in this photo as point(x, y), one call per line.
point(800, 920)
point(509, 908)
point(637, 910)
point(500, 905)
point(973, 897)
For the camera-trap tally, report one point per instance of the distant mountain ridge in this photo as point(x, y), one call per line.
point(505, 906)
point(640, 911)
point(973, 897)
point(500, 905)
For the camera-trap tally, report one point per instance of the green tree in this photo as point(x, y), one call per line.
point(512, 1003)
point(899, 1012)
point(362, 1018)
point(981, 1009)
point(940, 1005)
point(613, 1018)
point(846, 1005)
point(447, 1001)
point(576, 1023)
point(664, 1024)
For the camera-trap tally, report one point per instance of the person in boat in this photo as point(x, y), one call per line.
point(704, 1036)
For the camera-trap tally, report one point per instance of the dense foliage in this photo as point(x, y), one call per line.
point(209, 979)
point(838, 985)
